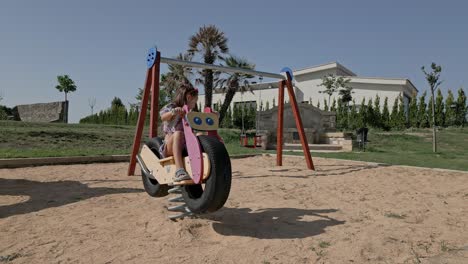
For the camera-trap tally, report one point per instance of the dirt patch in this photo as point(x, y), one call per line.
point(345, 212)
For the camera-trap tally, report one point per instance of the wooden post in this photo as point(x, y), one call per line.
point(279, 129)
point(141, 122)
point(154, 110)
point(299, 126)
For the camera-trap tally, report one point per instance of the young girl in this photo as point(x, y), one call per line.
point(174, 140)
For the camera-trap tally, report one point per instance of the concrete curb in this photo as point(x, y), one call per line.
point(381, 164)
point(31, 162)
point(28, 162)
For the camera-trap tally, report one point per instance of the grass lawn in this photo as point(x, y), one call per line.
point(25, 140)
point(412, 147)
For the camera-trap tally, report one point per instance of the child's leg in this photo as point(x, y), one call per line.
point(174, 147)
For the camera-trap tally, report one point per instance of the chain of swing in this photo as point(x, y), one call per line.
point(243, 132)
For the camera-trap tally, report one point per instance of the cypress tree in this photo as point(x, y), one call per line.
point(429, 113)
point(402, 120)
point(377, 112)
point(423, 120)
point(439, 109)
point(413, 112)
point(450, 110)
point(394, 115)
point(325, 107)
point(386, 116)
point(353, 117)
point(267, 105)
point(461, 108)
point(362, 116)
point(370, 114)
point(318, 105)
point(333, 106)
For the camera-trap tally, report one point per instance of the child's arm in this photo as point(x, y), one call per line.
point(169, 115)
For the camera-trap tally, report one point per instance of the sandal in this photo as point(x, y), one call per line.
point(181, 175)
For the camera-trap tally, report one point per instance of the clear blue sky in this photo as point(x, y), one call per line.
point(102, 44)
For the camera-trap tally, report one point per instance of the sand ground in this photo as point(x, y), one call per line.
point(345, 212)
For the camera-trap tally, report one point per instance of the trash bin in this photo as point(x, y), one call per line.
point(361, 137)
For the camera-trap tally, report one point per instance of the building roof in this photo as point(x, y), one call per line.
point(354, 79)
point(322, 67)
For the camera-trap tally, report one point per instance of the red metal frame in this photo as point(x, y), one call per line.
point(151, 83)
point(155, 98)
point(279, 130)
point(300, 127)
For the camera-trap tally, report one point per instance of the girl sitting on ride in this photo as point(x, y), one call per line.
point(174, 140)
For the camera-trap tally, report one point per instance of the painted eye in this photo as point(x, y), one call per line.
point(209, 121)
point(197, 120)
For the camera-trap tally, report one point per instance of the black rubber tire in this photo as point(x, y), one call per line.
point(218, 185)
point(152, 187)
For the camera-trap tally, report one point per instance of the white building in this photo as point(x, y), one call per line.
point(307, 88)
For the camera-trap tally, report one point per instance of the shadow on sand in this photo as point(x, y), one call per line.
point(43, 195)
point(272, 223)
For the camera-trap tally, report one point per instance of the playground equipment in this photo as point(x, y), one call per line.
point(207, 160)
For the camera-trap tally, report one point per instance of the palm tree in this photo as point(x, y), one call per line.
point(65, 85)
point(177, 75)
point(210, 43)
point(234, 82)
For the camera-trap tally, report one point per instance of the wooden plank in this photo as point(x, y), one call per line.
point(164, 169)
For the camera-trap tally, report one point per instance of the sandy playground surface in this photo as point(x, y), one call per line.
point(345, 212)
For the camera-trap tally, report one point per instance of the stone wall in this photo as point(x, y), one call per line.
point(314, 120)
point(43, 112)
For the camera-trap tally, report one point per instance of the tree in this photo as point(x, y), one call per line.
point(450, 110)
point(362, 116)
point(413, 112)
point(342, 116)
point(353, 120)
point(325, 105)
point(234, 82)
point(92, 103)
point(461, 109)
point(377, 114)
point(394, 115)
point(401, 120)
point(423, 122)
point(434, 82)
point(429, 113)
point(439, 110)
point(177, 75)
point(210, 43)
point(274, 104)
point(333, 84)
point(346, 95)
point(386, 125)
point(267, 105)
point(329, 83)
point(318, 104)
point(65, 84)
point(333, 106)
point(370, 117)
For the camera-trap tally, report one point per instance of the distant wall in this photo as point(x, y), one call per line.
point(314, 120)
point(43, 112)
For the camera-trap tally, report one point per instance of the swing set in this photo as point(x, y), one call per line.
point(152, 86)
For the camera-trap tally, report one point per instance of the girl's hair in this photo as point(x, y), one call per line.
point(182, 92)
